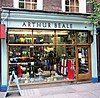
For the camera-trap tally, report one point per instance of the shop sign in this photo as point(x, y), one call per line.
point(46, 25)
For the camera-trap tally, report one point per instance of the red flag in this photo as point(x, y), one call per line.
point(2, 31)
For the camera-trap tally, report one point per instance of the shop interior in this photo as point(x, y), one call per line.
point(47, 55)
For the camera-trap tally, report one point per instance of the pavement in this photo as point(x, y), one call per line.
point(86, 90)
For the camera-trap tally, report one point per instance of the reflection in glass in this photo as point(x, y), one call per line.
point(21, 4)
point(67, 2)
point(27, 5)
point(19, 51)
point(20, 36)
point(82, 37)
point(46, 54)
point(65, 37)
point(28, 0)
point(43, 37)
point(67, 52)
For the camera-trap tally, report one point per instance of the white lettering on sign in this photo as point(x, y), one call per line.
point(46, 25)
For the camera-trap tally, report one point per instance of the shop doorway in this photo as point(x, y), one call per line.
point(83, 63)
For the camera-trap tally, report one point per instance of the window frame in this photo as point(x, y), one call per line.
point(38, 7)
point(74, 6)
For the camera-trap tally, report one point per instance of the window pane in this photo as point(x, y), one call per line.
point(77, 9)
point(43, 37)
point(34, 6)
point(34, 0)
point(67, 8)
point(28, 0)
point(18, 51)
point(77, 3)
point(65, 37)
point(27, 5)
point(71, 2)
point(72, 8)
point(82, 37)
point(19, 37)
point(66, 51)
point(21, 0)
point(67, 2)
point(21, 5)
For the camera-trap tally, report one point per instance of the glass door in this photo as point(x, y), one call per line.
point(83, 63)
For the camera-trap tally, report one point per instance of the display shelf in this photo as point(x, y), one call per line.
point(20, 44)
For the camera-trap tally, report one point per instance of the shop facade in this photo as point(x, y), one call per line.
point(48, 47)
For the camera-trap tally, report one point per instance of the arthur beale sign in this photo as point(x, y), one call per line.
point(51, 25)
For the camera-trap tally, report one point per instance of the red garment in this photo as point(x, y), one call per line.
point(19, 71)
point(64, 67)
point(70, 69)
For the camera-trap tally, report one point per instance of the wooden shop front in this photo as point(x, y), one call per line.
point(49, 55)
point(45, 47)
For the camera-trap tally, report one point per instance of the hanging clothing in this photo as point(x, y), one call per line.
point(19, 71)
point(70, 69)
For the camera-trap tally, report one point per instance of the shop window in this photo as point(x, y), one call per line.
point(66, 51)
point(65, 54)
point(82, 37)
point(47, 55)
point(43, 37)
point(20, 36)
point(71, 5)
point(66, 37)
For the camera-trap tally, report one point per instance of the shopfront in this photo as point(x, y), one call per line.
point(51, 47)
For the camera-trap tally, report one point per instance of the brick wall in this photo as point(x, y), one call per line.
point(89, 8)
point(98, 0)
point(52, 5)
point(7, 3)
point(48, 5)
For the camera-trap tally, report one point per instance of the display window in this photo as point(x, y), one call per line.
point(66, 37)
point(20, 36)
point(47, 55)
point(82, 37)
